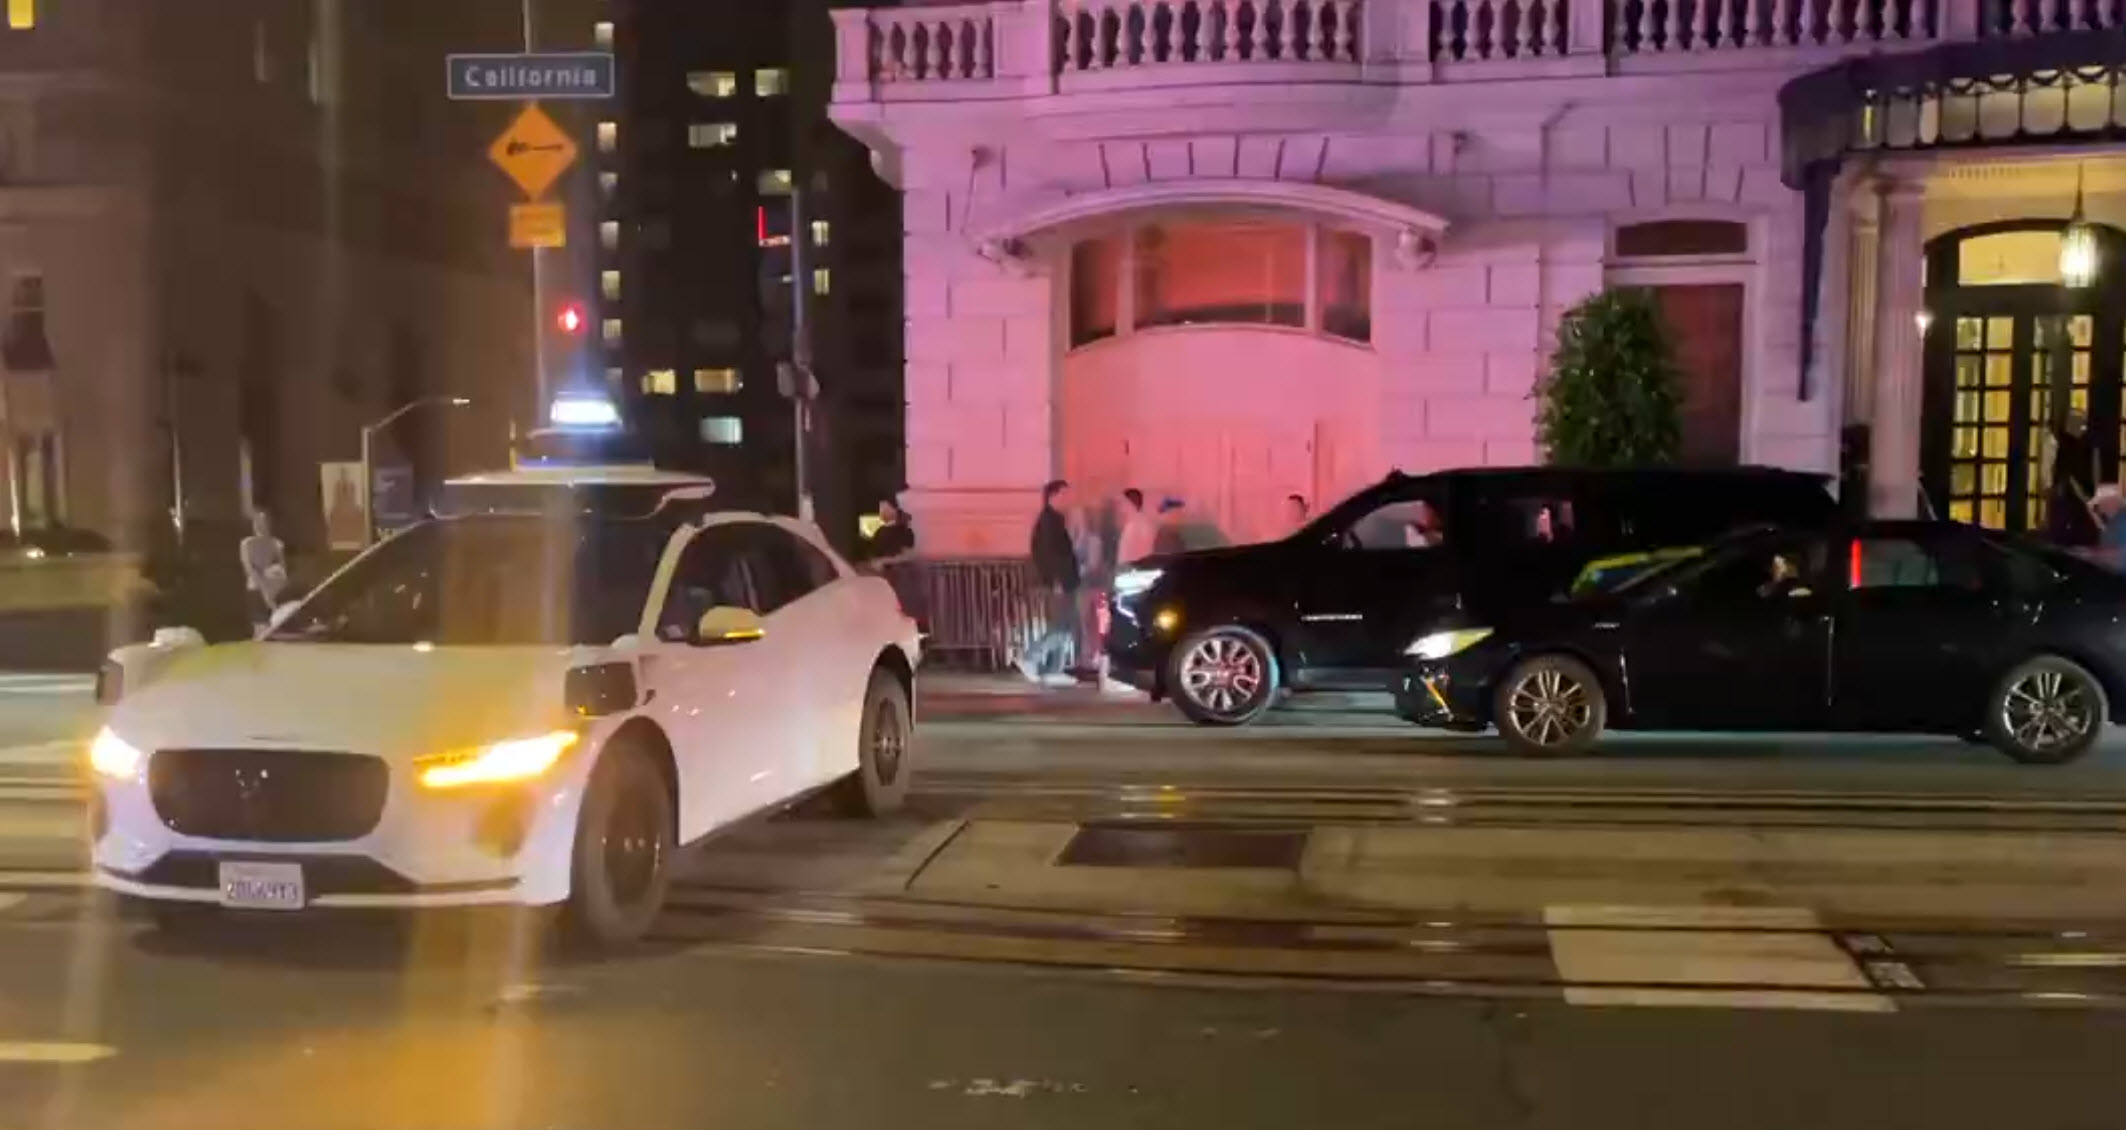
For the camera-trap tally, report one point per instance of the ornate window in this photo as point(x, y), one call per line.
point(1222, 271)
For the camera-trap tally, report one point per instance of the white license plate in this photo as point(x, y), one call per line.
point(262, 886)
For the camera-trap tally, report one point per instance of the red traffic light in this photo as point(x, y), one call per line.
point(570, 320)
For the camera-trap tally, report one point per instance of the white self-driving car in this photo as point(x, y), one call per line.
point(532, 701)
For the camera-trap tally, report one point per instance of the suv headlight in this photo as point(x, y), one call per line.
point(1132, 582)
point(1440, 645)
point(114, 757)
point(518, 759)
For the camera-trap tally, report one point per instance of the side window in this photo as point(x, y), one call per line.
point(1903, 563)
point(1409, 523)
point(785, 566)
point(712, 573)
point(1760, 572)
point(817, 568)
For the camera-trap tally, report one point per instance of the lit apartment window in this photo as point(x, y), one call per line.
point(602, 34)
point(608, 136)
point(609, 285)
point(771, 81)
point(660, 382)
point(608, 183)
point(713, 84)
point(773, 182)
point(609, 234)
point(821, 280)
point(722, 430)
point(610, 332)
point(716, 380)
point(821, 229)
point(711, 135)
point(21, 14)
point(613, 377)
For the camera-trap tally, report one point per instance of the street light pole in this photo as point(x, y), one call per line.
point(538, 268)
point(806, 386)
point(369, 432)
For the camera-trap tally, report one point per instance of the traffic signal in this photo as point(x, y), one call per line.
point(571, 319)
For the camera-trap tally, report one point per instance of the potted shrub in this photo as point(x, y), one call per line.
point(1614, 397)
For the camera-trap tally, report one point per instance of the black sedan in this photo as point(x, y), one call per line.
point(1883, 627)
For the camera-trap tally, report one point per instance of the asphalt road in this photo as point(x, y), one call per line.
point(461, 1024)
point(374, 1032)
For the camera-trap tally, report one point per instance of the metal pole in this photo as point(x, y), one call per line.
point(9, 463)
point(800, 349)
point(368, 477)
point(172, 369)
point(538, 273)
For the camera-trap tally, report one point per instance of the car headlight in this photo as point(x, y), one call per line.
point(1130, 582)
point(1440, 645)
point(518, 759)
point(114, 757)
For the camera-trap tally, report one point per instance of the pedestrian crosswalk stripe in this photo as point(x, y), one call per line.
point(53, 1051)
point(1715, 956)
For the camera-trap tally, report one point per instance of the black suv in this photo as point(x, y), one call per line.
point(1223, 632)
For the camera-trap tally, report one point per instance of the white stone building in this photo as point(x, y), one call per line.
point(1234, 249)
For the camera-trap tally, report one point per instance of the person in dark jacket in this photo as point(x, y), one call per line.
point(1055, 566)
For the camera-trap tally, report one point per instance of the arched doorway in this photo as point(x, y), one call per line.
point(2010, 349)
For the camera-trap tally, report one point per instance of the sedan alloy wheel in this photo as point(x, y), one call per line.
point(1551, 704)
point(2047, 711)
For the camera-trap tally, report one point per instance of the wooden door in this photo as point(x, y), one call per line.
point(1704, 324)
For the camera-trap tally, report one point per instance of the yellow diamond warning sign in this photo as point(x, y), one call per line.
point(533, 151)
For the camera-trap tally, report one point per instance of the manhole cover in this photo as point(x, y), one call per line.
point(1183, 845)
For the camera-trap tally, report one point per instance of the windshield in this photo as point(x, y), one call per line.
point(489, 581)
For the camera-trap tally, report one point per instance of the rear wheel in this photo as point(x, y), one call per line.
point(621, 867)
point(884, 742)
point(1223, 676)
point(1551, 705)
point(2047, 711)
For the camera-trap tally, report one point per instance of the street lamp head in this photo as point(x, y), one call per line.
point(459, 401)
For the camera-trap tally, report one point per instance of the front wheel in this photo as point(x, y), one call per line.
point(2047, 711)
point(621, 865)
point(1223, 676)
point(1551, 705)
point(883, 743)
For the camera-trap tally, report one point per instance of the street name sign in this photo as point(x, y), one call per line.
point(538, 225)
point(570, 74)
point(533, 151)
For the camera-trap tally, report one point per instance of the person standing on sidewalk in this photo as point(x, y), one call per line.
point(265, 563)
point(1055, 566)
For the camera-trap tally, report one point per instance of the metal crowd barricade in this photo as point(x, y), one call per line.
point(978, 613)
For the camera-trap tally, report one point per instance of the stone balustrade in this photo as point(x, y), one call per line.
point(932, 52)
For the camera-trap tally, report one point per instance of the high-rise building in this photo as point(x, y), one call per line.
point(727, 198)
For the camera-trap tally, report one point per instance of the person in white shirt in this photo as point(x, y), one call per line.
point(265, 563)
point(1140, 531)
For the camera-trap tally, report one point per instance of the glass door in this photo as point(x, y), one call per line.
point(2015, 377)
point(2009, 354)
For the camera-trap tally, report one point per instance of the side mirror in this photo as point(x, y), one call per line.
point(725, 624)
point(171, 638)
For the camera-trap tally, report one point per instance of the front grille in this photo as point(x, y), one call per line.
point(267, 795)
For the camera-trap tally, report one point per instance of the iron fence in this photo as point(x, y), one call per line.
point(979, 612)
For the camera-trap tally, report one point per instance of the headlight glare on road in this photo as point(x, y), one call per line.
point(1130, 582)
point(518, 759)
point(114, 757)
point(1440, 645)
